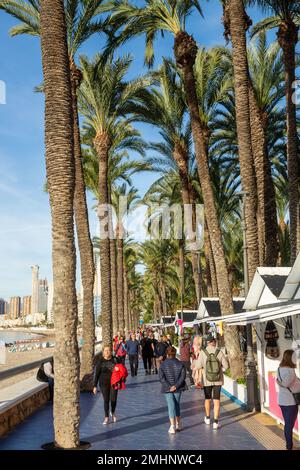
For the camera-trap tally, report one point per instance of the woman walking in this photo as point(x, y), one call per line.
point(289, 384)
point(172, 374)
point(102, 377)
point(121, 350)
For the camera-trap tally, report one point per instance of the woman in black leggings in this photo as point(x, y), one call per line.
point(102, 377)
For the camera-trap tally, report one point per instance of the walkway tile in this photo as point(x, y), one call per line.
point(142, 423)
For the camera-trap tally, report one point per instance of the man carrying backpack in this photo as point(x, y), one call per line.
point(212, 362)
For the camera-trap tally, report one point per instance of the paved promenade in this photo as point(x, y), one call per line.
point(143, 424)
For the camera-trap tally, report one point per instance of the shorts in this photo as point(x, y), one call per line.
point(213, 391)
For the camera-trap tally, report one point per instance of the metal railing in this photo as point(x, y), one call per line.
point(5, 374)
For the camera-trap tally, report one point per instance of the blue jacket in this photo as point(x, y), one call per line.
point(172, 372)
point(132, 347)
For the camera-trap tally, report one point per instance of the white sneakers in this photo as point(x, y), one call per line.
point(178, 427)
point(106, 421)
point(216, 425)
point(172, 430)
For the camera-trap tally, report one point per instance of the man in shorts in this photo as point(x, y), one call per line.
point(212, 361)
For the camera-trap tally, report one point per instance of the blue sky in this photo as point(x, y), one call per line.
point(25, 230)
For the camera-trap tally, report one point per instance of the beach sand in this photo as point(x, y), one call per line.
point(14, 359)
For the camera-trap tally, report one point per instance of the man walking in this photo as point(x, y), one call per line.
point(132, 349)
point(212, 362)
point(185, 356)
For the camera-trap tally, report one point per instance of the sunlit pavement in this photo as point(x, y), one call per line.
point(142, 423)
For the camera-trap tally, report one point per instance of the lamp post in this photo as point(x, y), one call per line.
point(251, 368)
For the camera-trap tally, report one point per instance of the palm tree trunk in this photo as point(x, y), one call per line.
point(102, 144)
point(238, 27)
point(125, 297)
point(185, 52)
point(267, 220)
point(120, 280)
point(84, 239)
point(60, 169)
point(180, 156)
point(181, 270)
point(288, 38)
point(114, 289)
point(113, 271)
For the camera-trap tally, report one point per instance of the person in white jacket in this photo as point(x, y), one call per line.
point(288, 383)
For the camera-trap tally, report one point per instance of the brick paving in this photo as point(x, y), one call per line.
point(143, 423)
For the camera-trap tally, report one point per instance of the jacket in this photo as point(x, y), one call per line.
point(287, 379)
point(118, 377)
point(172, 372)
point(160, 349)
point(103, 370)
point(132, 347)
point(121, 350)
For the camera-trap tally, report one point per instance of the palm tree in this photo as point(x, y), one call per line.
point(164, 106)
point(120, 169)
point(105, 97)
point(81, 22)
point(164, 15)
point(265, 93)
point(236, 23)
point(286, 17)
point(131, 202)
point(60, 168)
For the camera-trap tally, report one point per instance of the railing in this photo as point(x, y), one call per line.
point(5, 374)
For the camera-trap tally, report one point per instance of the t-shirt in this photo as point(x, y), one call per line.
point(200, 363)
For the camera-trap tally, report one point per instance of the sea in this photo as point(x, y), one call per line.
point(9, 337)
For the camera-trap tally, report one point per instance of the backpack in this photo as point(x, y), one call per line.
point(213, 366)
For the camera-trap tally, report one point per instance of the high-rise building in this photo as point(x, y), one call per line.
point(26, 310)
point(35, 289)
point(50, 303)
point(2, 307)
point(43, 296)
point(14, 308)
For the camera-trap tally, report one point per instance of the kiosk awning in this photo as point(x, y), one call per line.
point(260, 315)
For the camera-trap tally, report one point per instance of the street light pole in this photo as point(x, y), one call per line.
point(251, 367)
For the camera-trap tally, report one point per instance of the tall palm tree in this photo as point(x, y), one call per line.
point(105, 97)
point(164, 106)
point(286, 18)
point(236, 23)
point(60, 168)
point(265, 93)
point(82, 21)
point(131, 201)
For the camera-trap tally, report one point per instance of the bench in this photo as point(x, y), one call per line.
point(19, 401)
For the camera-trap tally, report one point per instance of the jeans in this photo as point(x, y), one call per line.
point(289, 414)
point(134, 363)
point(109, 395)
point(173, 402)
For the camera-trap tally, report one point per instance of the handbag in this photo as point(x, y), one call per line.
point(296, 395)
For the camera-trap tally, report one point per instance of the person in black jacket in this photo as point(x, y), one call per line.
point(172, 375)
point(160, 353)
point(102, 377)
point(147, 345)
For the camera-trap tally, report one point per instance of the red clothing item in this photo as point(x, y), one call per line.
point(118, 377)
point(185, 352)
